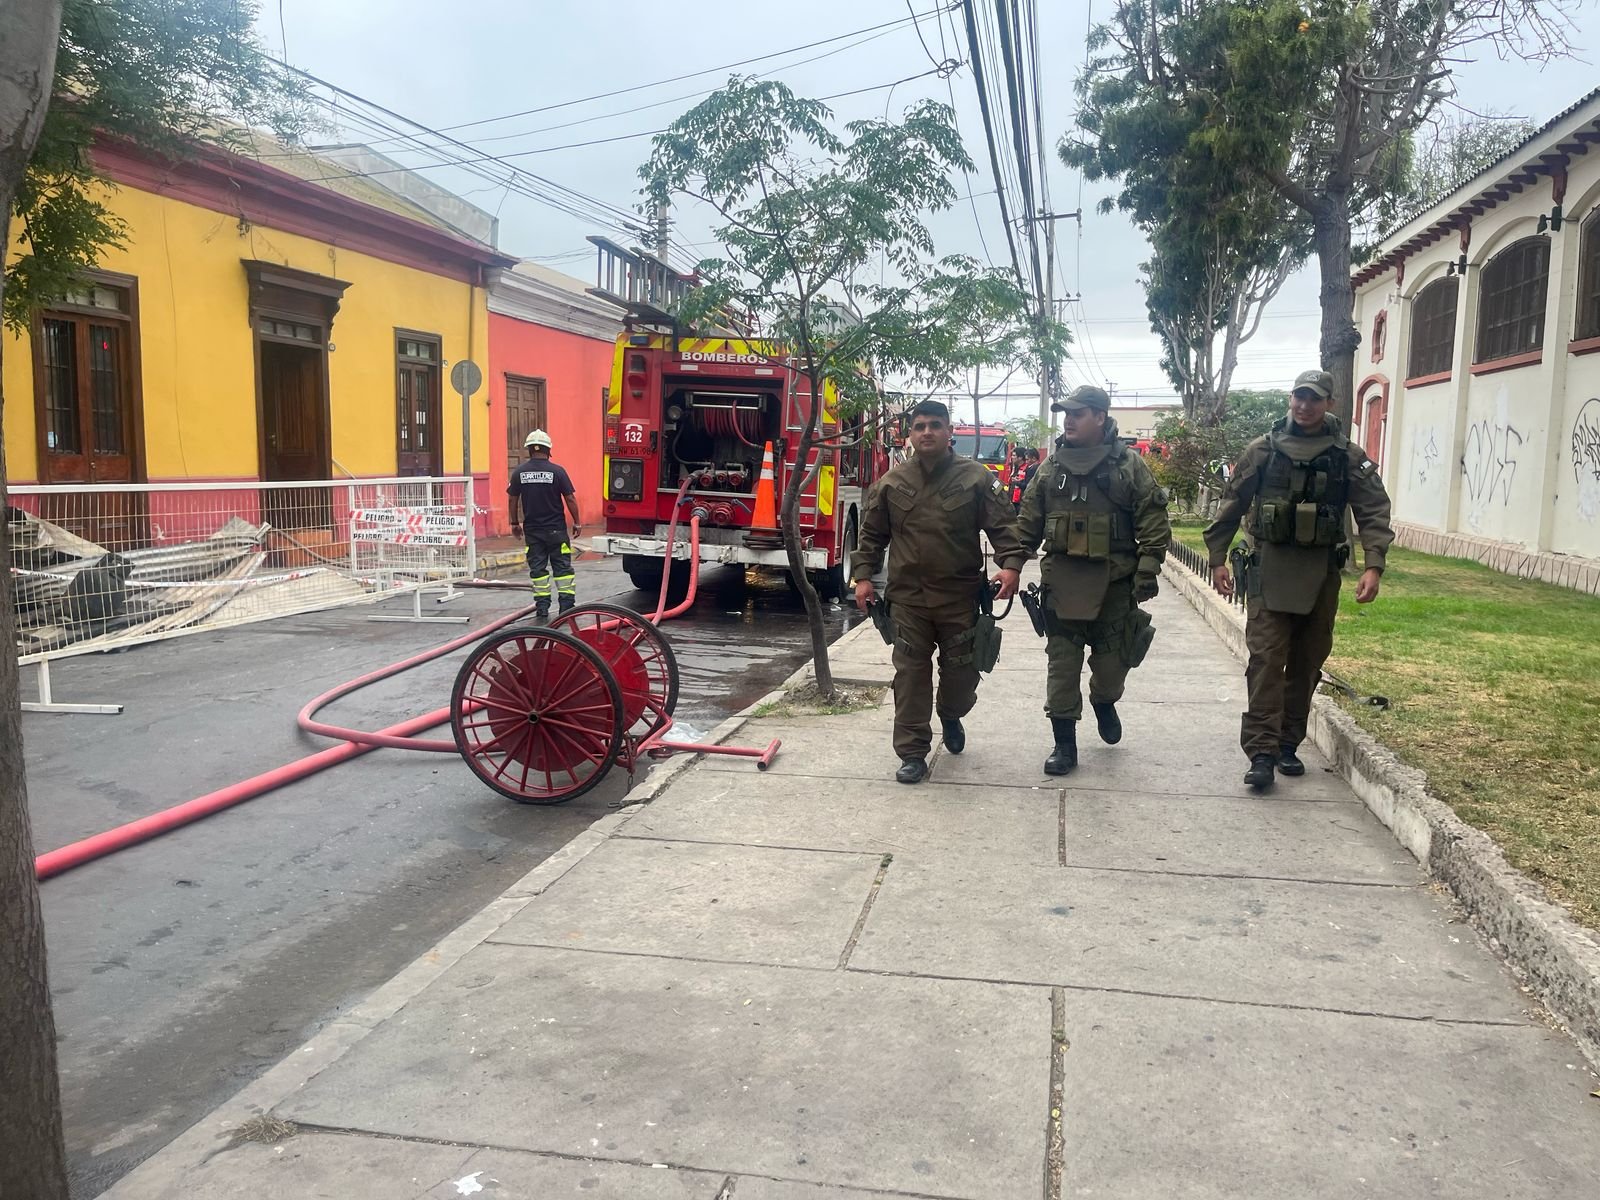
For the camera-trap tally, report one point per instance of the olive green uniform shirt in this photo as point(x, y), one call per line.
point(929, 521)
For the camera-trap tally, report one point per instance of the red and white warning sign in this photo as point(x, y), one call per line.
point(430, 525)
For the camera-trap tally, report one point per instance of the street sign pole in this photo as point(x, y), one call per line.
point(466, 378)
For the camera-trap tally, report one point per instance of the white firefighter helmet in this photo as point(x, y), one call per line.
point(537, 438)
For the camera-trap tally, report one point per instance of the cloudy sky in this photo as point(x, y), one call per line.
point(479, 61)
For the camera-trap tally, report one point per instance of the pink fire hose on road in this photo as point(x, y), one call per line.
point(355, 741)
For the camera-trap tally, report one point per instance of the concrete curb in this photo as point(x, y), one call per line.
point(1557, 959)
point(160, 1176)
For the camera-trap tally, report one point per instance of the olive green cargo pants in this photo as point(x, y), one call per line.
point(1287, 651)
point(920, 630)
point(1065, 644)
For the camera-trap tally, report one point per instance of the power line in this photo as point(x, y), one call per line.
point(898, 22)
point(975, 50)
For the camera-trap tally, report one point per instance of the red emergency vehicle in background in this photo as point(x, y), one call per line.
point(991, 443)
point(689, 418)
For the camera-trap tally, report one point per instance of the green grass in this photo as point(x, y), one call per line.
point(1495, 690)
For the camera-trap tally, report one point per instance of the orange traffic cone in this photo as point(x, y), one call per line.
point(764, 520)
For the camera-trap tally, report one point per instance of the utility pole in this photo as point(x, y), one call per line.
point(1046, 301)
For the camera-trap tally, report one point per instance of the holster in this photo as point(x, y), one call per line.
point(1033, 602)
point(1246, 564)
point(878, 610)
point(1138, 632)
point(985, 632)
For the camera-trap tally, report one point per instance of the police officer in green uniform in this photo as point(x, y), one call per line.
point(1290, 489)
point(928, 512)
point(1103, 521)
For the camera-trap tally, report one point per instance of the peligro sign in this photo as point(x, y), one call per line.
point(697, 356)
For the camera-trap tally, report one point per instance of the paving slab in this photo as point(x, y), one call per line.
point(938, 1088)
point(693, 900)
point(318, 1165)
point(840, 748)
point(877, 816)
point(1219, 835)
point(1321, 945)
point(1233, 1103)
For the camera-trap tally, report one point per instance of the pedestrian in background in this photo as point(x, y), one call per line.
point(1102, 519)
point(928, 512)
point(1291, 489)
point(539, 489)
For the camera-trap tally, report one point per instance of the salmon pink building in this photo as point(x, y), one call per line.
point(550, 353)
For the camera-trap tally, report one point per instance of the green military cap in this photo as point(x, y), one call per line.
point(1083, 397)
point(1319, 382)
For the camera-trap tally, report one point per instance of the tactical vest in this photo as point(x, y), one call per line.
point(1081, 520)
point(1301, 502)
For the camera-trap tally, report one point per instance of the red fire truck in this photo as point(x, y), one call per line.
point(688, 420)
point(991, 443)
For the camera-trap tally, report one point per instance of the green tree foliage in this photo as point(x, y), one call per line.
point(1194, 453)
point(1316, 99)
point(1030, 432)
point(164, 74)
point(1457, 151)
point(804, 214)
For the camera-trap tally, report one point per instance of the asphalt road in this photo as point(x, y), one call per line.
point(184, 967)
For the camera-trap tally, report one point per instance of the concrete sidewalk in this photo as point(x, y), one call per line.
point(814, 983)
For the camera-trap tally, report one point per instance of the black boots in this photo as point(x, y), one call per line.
point(1260, 773)
point(912, 770)
point(1105, 715)
point(1289, 762)
point(955, 737)
point(1065, 756)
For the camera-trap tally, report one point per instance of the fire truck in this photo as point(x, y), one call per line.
point(690, 419)
point(991, 443)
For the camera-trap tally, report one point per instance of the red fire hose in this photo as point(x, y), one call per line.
point(356, 741)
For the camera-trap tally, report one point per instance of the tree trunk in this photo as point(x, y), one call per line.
point(31, 1148)
point(789, 519)
point(1331, 230)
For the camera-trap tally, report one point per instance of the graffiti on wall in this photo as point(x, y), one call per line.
point(1489, 462)
point(1585, 447)
point(1425, 456)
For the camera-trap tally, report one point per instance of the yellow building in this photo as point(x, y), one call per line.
point(255, 326)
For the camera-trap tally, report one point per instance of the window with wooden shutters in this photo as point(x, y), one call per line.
point(85, 390)
point(1589, 278)
point(1433, 329)
point(1512, 288)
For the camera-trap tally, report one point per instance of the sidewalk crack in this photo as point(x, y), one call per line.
point(866, 910)
point(1055, 1138)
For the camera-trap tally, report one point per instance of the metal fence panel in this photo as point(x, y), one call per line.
point(99, 566)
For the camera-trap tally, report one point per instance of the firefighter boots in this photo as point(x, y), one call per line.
point(955, 737)
point(1065, 756)
point(1105, 715)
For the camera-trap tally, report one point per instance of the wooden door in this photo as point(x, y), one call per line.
point(418, 433)
point(1377, 413)
point(295, 435)
point(525, 412)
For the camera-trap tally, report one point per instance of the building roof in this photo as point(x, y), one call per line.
point(1546, 153)
point(532, 292)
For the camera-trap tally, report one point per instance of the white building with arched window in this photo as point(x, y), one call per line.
point(1478, 379)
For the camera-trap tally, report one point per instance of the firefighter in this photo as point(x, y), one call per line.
point(538, 490)
point(928, 511)
point(1103, 521)
point(1290, 489)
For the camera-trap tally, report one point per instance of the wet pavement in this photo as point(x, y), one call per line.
point(184, 967)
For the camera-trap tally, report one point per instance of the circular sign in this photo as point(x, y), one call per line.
point(465, 377)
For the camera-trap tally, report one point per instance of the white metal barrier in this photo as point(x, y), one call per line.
point(98, 567)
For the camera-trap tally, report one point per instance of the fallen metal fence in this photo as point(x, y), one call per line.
point(99, 567)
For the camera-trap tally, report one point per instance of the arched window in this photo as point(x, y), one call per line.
point(1512, 287)
point(1433, 329)
point(1589, 278)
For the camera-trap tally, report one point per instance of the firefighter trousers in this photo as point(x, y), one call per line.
point(920, 630)
point(1287, 651)
point(550, 568)
point(1103, 639)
